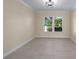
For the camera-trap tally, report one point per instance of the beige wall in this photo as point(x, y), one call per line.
point(18, 24)
point(73, 25)
point(66, 24)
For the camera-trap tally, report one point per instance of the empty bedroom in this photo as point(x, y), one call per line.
point(39, 29)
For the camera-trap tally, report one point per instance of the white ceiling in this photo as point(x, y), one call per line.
point(60, 5)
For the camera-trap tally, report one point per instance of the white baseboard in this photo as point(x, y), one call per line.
point(74, 40)
point(51, 37)
point(16, 48)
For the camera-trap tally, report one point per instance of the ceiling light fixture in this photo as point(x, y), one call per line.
point(50, 3)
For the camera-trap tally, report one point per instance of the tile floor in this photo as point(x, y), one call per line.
point(46, 49)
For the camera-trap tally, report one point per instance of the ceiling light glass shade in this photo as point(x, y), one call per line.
point(55, 1)
point(50, 3)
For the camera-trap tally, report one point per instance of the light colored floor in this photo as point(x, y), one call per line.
point(46, 49)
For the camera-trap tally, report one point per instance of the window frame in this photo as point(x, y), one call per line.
point(44, 23)
point(53, 25)
point(62, 23)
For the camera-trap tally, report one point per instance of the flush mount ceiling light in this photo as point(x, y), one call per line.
point(50, 3)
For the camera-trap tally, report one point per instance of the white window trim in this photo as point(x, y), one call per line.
point(53, 17)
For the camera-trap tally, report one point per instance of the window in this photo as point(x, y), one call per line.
point(57, 23)
point(51, 23)
point(48, 24)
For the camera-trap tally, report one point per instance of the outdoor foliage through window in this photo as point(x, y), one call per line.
point(49, 22)
point(58, 24)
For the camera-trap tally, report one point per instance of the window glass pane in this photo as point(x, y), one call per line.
point(58, 24)
point(48, 24)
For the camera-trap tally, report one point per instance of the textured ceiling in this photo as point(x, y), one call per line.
point(60, 5)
